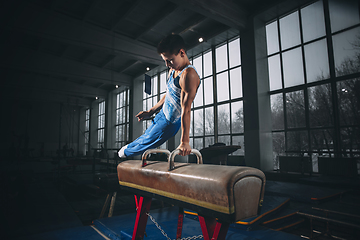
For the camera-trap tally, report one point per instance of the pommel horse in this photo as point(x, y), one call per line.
point(219, 194)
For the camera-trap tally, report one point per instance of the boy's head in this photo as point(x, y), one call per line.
point(171, 44)
point(172, 50)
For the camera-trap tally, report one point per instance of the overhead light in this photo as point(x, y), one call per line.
point(117, 86)
point(201, 39)
point(96, 98)
point(147, 69)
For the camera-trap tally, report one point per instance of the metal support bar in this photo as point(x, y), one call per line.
point(105, 205)
point(112, 204)
point(180, 223)
point(143, 207)
point(211, 228)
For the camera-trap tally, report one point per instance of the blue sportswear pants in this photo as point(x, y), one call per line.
point(157, 133)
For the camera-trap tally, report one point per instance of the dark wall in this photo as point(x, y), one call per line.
point(33, 130)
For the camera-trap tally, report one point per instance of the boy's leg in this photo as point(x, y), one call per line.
point(157, 134)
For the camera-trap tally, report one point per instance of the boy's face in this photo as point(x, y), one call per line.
point(174, 61)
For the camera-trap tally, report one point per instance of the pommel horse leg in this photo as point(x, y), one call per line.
point(212, 229)
point(143, 205)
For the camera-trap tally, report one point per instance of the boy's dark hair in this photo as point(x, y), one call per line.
point(171, 44)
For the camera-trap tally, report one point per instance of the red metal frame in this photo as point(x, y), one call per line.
point(143, 205)
point(180, 223)
point(211, 228)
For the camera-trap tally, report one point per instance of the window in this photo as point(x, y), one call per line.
point(87, 130)
point(101, 125)
point(314, 76)
point(122, 123)
point(217, 111)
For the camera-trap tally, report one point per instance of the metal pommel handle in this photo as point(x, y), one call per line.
point(147, 152)
point(177, 151)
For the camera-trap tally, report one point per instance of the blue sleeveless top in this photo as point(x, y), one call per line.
point(172, 105)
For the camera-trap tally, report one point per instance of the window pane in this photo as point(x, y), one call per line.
point(144, 123)
point(295, 109)
point(236, 83)
point(277, 111)
point(221, 57)
point(198, 143)
point(290, 31)
point(192, 142)
point(343, 14)
point(149, 103)
point(293, 68)
point(120, 133)
point(346, 52)
point(163, 146)
point(87, 114)
point(272, 38)
point(102, 121)
point(234, 51)
point(316, 61)
point(313, 22)
point(198, 122)
point(144, 94)
point(222, 82)
point(86, 126)
point(154, 86)
point(209, 141)
point(209, 121)
point(86, 137)
point(350, 139)
point(297, 141)
point(191, 125)
point(239, 141)
point(198, 65)
point(274, 72)
point(198, 101)
point(101, 136)
point(237, 117)
point(208, 64)
point(278, 147)
point(348, 93)
point(225, 139)
point(208, 90)
point(118, 100)
point(223, 119)
point(144, 105)
point(118, 116)
point(322, 140)
point(163, 77)
point(320, 106)
point(121, 99)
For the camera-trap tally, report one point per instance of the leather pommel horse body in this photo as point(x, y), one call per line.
point(225, 193)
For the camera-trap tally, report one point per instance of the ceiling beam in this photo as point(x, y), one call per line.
point(56, 26)
point(129, 65)
point(29, 60)
point(166, 11)
point(49, 83)
point(224, 11)
point(124, 12)
point(36, 95)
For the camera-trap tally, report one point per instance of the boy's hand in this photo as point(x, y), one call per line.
point(143, 115)
point(185, 149)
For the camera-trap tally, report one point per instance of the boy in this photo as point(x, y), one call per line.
point(183, 82)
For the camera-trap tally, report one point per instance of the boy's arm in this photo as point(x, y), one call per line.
point(147, 114)
point(189, 83)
